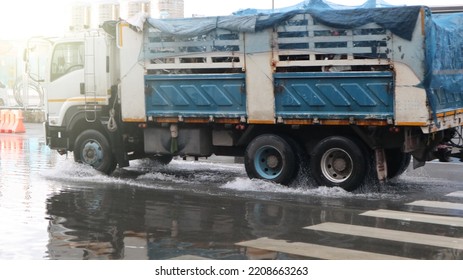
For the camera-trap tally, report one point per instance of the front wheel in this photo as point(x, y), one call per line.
point(339, 161)
point(92, 148)
point(271, 157)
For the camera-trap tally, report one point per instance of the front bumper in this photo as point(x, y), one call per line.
point(57, 137)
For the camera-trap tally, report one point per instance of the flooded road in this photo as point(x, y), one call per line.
point(53, 208)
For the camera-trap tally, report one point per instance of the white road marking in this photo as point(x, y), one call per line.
point(392, 235)
point(415, 217)
point(437, 204)
point(314, 250)
point(456, 194)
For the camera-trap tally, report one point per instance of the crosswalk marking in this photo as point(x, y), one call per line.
point(392, 235)
point(314, 250)
point(456, 194)
point(437, 204)
point(333, 253)
point(415, 217)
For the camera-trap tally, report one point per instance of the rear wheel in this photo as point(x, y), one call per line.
point(339, 161)
point(92, 148)
point(162, 159)
point(271, 157)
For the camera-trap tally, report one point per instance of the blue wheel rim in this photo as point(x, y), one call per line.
point(268, 162)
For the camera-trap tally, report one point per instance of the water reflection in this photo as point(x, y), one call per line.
point(118, 223)
point(22, 194)
point(52, 208)
point(21, 157)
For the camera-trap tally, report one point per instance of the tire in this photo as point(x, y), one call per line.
point(397, 162)
point(92, 148)
point(162, 160)
point(271, 157)
point(338, 161)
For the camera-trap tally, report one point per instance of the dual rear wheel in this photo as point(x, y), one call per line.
point(334, 161)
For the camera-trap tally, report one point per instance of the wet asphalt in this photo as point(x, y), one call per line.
point(53, 208)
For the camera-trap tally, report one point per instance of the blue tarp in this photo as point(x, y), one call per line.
point(200, 26)
point(400, 20)
point(444, 61)
point(314, 4)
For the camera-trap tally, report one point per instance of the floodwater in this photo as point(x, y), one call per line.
point(53, 208)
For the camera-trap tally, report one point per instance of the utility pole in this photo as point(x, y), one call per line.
point(273, 5)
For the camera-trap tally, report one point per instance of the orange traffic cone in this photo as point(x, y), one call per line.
point(18, 124)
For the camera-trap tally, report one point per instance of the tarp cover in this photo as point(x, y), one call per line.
point(314, 4)
point(444, 55)
point(400, 20)
point(199, 26)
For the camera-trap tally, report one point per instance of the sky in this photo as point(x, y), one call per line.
point(21, 19)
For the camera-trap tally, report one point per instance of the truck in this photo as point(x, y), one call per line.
point(348, 97)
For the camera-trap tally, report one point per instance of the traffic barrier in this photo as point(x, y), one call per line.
point(5, 120)
point(12, 121)
point(18, 123)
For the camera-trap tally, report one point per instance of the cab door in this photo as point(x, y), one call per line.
point(65, 74)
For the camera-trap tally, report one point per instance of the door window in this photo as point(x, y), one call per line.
point(67, 58)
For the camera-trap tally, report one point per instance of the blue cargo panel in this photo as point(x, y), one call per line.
point(220, 96)
point(341, 95)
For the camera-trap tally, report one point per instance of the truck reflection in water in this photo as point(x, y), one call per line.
point(116, 222)
point(120, 223)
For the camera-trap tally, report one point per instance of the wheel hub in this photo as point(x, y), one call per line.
point(92, 153)
point(272, 161)
point(336, 165)
point(339, 164)
point(268, 162)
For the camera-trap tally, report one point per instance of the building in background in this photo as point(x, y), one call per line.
point(133, 7)
point(168, 8)
point(108, 10)
point(81, 16)
point(88, 14)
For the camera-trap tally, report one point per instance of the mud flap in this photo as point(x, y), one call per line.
point(381, 164)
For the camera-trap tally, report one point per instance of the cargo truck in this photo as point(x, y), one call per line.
point(346, 96)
